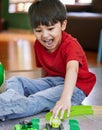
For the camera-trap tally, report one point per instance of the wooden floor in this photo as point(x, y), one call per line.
point(16, 51)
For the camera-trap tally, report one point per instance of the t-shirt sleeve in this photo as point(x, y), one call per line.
point(73, 51)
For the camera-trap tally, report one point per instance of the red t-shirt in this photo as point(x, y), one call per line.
point(55, 63)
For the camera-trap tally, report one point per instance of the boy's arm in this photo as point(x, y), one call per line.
point(70, 82)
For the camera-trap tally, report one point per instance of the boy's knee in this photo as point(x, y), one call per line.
point(13, 82)
point(13, 79)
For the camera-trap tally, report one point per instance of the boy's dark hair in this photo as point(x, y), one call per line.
point(46, 12)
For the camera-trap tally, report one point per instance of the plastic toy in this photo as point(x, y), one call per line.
point(49, 127)
point(25, 125)
point(2, 74)
point(55, 124)
point(74, 124)
point(78, 110)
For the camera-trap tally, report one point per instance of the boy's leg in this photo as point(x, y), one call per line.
point(41, 101)
point(77, 97)
point(14, 101)
point(45, 100)
point(11, 100)
point(26, 86)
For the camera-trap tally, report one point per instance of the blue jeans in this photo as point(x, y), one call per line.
point(41, 94)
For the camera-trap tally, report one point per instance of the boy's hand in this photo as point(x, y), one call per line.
point(62, 105)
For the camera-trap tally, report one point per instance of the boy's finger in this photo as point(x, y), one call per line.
point(62, 114)
point(56, 111)
point(68, 112)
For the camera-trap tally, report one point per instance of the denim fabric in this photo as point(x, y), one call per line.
point(41, 94)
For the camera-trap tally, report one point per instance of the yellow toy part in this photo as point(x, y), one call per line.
point(55, 122)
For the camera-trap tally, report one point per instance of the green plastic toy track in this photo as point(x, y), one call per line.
point(75, 111)
point(2, 74)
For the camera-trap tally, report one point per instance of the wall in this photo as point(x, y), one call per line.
point(16, 20)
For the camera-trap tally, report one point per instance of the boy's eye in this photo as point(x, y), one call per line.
point(37, 30)
point(51, 28)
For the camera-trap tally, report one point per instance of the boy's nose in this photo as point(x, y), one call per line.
point(45, 34)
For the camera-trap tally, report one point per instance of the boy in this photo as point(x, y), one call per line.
point(66, 80)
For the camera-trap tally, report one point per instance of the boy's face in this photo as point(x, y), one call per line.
point(50, 36)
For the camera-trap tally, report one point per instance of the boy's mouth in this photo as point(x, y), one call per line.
point(49, 42)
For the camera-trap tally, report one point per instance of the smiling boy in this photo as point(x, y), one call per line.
point(65, 80)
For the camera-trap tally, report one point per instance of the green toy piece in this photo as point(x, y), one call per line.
point(73, 121)
point(2, 74)
point(74, 124)
point(32, 125)
point(35, 123)
point(17, 127)
point(75, 111)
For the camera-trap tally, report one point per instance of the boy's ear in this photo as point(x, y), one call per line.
point(64, 24)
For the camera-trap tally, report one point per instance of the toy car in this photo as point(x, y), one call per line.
point(55, 124)
point(25, 125)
